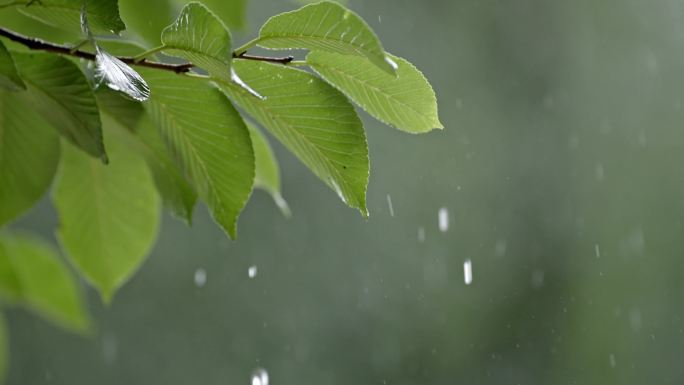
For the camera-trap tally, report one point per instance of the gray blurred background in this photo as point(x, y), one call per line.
point(560, 168)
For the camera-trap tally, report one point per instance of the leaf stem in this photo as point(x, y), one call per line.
point(149, 52)
point(243, 48)
point(298, 63)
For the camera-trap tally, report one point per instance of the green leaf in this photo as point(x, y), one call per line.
point(9, 77)
point(29, 153)
point(313, 120)
point(109, 215)
point(200, 37)
point(40, 281)
point(102, 14)
point(142, 136)
point(232, 12)
point(61, 93)
point(4, 349)
point(325, 26)
point(405, 101)
point(208, 140)
point(267, 172)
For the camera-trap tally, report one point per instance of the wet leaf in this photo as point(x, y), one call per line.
point(313, 120)
point(405, 101)
point(325, 26)
point(208, 141)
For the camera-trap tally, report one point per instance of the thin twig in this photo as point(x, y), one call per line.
point(41, 45)
point(279, 60)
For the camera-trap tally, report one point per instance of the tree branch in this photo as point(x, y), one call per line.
point(41, 45)
point(279, 60)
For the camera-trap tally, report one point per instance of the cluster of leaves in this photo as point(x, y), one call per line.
point(117, 143)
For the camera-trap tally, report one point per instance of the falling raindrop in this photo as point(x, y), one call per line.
point(252, 271)
point(200, 277)
point(443, 219)
point(500, 247)
point(110, 348)
point(259, 377)
point(600, 172)
point(537, 279)
point(611, 360)
point(379, 19)
point(389, 204)
point(468, 272)
point(597, 251)
point(421, 234)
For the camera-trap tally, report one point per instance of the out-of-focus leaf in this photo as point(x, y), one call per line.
point(146, 19)
point(200, 37)
point(37, 279)
point(119, 76)
point(267, 172)
point(232, 12)
point(9, 77)
point(61, 93)
point(29, 153)
point(208, 140)
point(313, 120)
point(405, 101)
point(143, 136)
point(325, 26)
point(109, 215)
point(102, 14)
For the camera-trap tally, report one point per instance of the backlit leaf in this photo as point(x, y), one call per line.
point(267, 171)
point(313, 120)
point(40, 281)
point(405, 101)
point(143, 136)
point(61, 93)
point(325, 26)
point(208, 140)
point(200, 37)
point(29, 153)
point(109, 215)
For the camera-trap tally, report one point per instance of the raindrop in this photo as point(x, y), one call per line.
point(389, 204)
point(443, 219)
point(611, 360)
point(259, 377)
point(597, 251)
point(200, 277)
point(421, 234)
point(391, 63)
point(110, 348)
point(500, 247)
point(252, 271)
point(379, 19)
point(468, 272)
point(600, 172)
point(537, 279)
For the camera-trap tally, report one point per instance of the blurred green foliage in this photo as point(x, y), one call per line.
point(559, 168)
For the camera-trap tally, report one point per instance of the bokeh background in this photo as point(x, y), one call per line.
point(560, 168)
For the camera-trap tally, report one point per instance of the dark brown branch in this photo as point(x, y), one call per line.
point(279, 60)
point(42, 45)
